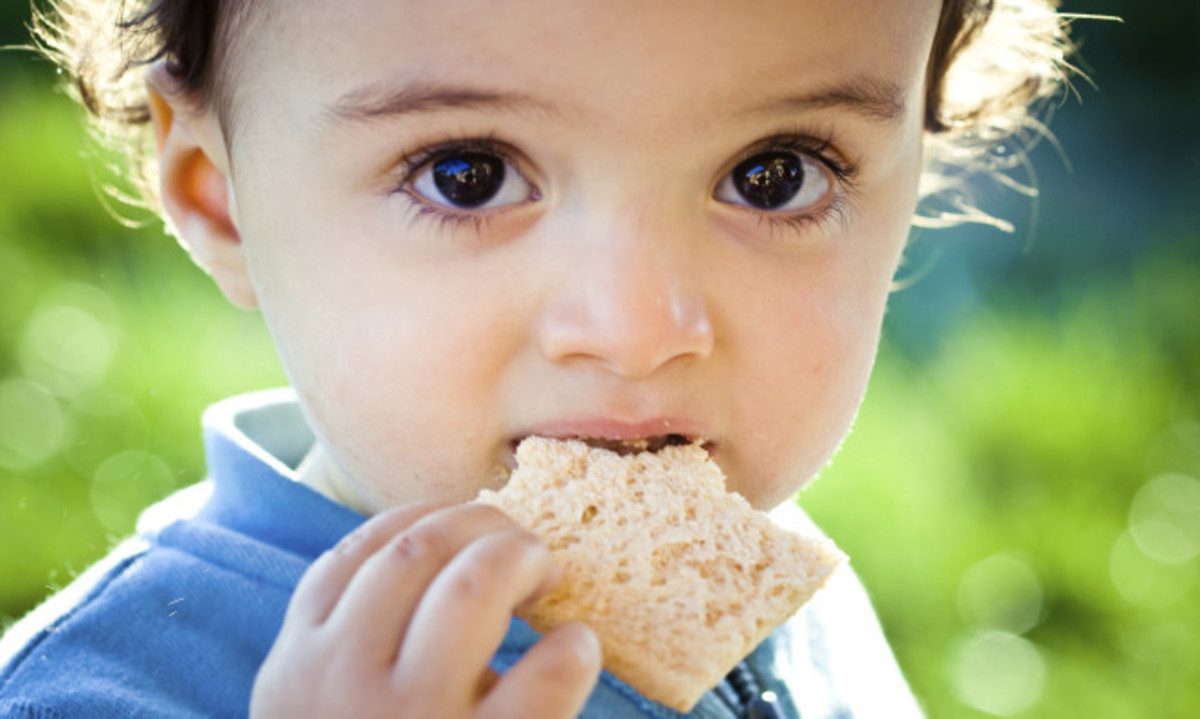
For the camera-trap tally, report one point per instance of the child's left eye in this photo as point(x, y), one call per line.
point(470, 180)
point(778, 181)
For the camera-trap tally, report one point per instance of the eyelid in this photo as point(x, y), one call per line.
point(414, 160)
point(820, 147)
point(410, 163)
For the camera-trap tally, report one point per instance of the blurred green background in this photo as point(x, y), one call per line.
point(1021, 493)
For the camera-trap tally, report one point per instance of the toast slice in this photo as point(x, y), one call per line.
point(679, 578)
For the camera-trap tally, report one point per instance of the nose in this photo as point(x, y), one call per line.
point(630, 305)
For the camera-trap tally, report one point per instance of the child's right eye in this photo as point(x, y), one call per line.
point(468, 179)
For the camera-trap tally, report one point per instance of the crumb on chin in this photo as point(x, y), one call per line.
point(500, 477)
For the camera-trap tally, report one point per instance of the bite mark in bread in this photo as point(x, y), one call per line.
point(679, 578)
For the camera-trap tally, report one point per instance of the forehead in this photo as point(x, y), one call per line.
point(600, 59)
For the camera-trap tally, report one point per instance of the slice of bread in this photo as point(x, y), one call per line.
point(679, 578)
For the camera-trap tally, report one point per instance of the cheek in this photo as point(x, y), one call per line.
point(401, 341)
point(814, 344)
point(819, 375)
point(394, 392)
point(822, 368)
point(378, 352)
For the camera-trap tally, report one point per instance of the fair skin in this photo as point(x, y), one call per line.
point(624, 279)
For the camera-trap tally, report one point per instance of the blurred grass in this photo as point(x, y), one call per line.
point(1036, 478)
point(1020, 497)
point(111, 344)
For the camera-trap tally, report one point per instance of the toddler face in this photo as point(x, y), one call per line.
point(470, 222)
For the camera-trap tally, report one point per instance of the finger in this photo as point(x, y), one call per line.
point(326, 580)
point(463, 617)
point(378, 604)
point(553, 679)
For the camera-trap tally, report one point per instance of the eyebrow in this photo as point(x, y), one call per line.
point(375, 102)
point(873, 98)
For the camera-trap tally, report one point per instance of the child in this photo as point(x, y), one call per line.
point(467, 223)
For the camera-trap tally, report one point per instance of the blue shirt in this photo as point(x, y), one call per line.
point(176, 621)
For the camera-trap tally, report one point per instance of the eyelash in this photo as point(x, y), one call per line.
point(410, 163)
point(818, 147)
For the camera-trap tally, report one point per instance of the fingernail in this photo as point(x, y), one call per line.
point(587, 646)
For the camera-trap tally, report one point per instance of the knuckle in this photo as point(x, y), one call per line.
point(468, 584)
point(407, 548)
point(427, 540)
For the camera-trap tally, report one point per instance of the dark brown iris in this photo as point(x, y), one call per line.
point(769, 180)
point(469, 179)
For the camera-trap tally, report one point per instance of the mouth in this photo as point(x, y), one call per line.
point(638, 445)
point(632, 445)
point(622, 437)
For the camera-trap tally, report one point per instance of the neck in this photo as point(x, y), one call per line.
point(320, 472)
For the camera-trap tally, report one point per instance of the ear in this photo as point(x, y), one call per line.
point(194, 186)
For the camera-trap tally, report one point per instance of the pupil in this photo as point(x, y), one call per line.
point(469, 179)
point(769, 180)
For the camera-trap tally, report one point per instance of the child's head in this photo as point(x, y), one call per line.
point(470, 222)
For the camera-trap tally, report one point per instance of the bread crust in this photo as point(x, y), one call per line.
point(679, 578)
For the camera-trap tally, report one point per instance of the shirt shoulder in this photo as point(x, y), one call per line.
point(175, 622)
point(169, 626)
point(37, 677)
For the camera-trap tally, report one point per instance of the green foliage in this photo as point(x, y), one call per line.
point(111, 345)
point(1025, 505)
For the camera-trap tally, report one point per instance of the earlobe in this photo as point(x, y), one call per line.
point(194, 187)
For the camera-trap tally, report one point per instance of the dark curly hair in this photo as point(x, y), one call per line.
point(992, 63)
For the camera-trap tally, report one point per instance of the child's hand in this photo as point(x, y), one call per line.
point(401, 618)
